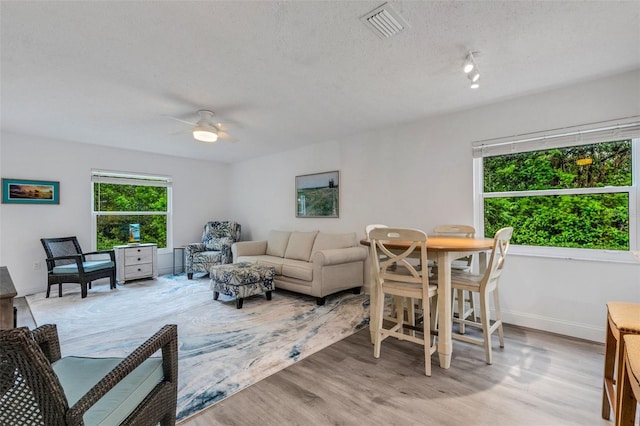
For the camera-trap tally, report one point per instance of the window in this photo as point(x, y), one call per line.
point(129, 207)
point(572, 191)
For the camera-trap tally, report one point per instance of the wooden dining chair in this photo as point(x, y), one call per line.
point(630, 381)
point(623, 318)
point(404, 281)
point(484, 285)
point(412, 309)
point(459, 298)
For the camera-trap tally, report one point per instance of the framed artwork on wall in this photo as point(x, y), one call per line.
point(318, 195)
point(21, 191)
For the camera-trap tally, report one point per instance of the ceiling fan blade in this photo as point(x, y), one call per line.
point(191, 123)
point(226, 137)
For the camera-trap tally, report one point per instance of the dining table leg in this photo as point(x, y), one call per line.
point(445, 345)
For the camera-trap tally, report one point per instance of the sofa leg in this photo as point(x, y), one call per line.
point(320, 301)
point(356, 290)
point(239, 303)
point(268, 294)
point(189, 275)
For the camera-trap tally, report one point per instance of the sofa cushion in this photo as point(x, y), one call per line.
point(265, 260)
point(297, 269)
point(300, 245)
point(326, 241)
point(277, 243)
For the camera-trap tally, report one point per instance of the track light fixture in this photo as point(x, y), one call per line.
point(471, 69)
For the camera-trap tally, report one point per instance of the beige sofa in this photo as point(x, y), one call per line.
point(313, 263)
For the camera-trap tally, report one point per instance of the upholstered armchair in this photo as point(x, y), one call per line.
point(215, 248)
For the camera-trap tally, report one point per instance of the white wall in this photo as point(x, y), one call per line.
point(200, 192)
point(420, 175)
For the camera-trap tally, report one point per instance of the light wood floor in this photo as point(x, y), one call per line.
point(537, 379)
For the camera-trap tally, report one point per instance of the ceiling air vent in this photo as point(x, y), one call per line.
point(384, 21)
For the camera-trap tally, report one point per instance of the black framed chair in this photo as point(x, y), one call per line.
point(66, 263)
point(38, 386)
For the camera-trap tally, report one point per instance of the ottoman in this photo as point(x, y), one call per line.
point(240, 280)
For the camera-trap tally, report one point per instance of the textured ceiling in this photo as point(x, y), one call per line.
point(286, 73)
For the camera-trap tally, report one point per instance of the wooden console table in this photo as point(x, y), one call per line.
point(7, 293)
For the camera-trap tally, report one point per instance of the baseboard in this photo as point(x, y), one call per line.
point(555, 325)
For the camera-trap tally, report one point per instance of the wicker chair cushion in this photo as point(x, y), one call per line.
point(91, 266)
point(79, 374)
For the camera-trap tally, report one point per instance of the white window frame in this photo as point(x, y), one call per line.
point(132, 178)
point(582, 135)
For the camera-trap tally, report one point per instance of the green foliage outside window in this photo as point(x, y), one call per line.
point(599, 221)
point(113, 229)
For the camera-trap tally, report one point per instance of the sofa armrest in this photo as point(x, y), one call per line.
point(248, 248)
point(339, 256)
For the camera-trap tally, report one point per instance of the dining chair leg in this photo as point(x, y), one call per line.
point(377, 337)
point(433, 319)
point(461, 315)
point(485, 327)
point(472, 306)
point(411, 315)
point(427, 337)
point(496, 301)
point(399, 312)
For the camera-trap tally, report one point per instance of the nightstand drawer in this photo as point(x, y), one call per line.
point(137, 258)
point(138, 271)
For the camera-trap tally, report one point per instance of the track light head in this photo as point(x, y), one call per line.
point(471, 69)
point(469, 63)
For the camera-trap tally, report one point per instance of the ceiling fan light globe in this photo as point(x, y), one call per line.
point(205, 135)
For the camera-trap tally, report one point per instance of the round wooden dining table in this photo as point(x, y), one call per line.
point(443, 250)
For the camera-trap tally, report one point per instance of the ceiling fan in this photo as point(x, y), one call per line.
point(207, 128)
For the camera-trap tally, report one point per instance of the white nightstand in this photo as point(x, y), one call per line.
point(136, 261)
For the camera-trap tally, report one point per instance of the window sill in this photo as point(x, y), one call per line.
point(592, 255)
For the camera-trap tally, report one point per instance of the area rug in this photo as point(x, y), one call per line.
point(221, 349)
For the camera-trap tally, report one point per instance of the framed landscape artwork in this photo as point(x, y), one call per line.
point(318, 195)
point(20, 191)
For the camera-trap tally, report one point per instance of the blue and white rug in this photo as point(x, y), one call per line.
point(222, 349)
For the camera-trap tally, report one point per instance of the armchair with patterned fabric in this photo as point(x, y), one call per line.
point(215, 248)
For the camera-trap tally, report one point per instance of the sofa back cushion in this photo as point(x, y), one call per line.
point(277, 243)
point(325, 241)
point(300, 245)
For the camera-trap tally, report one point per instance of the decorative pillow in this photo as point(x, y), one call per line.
point(277, 243)
point(326, 241)
point(300, 244)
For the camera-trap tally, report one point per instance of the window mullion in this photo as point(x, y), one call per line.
point(567, 191)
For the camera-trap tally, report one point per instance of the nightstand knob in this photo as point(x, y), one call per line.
point(138, 259)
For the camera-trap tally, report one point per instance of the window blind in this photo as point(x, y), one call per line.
point(126, 178)
point(609, 131)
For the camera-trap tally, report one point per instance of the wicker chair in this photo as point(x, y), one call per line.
point(66, 263)
point(38, 387)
